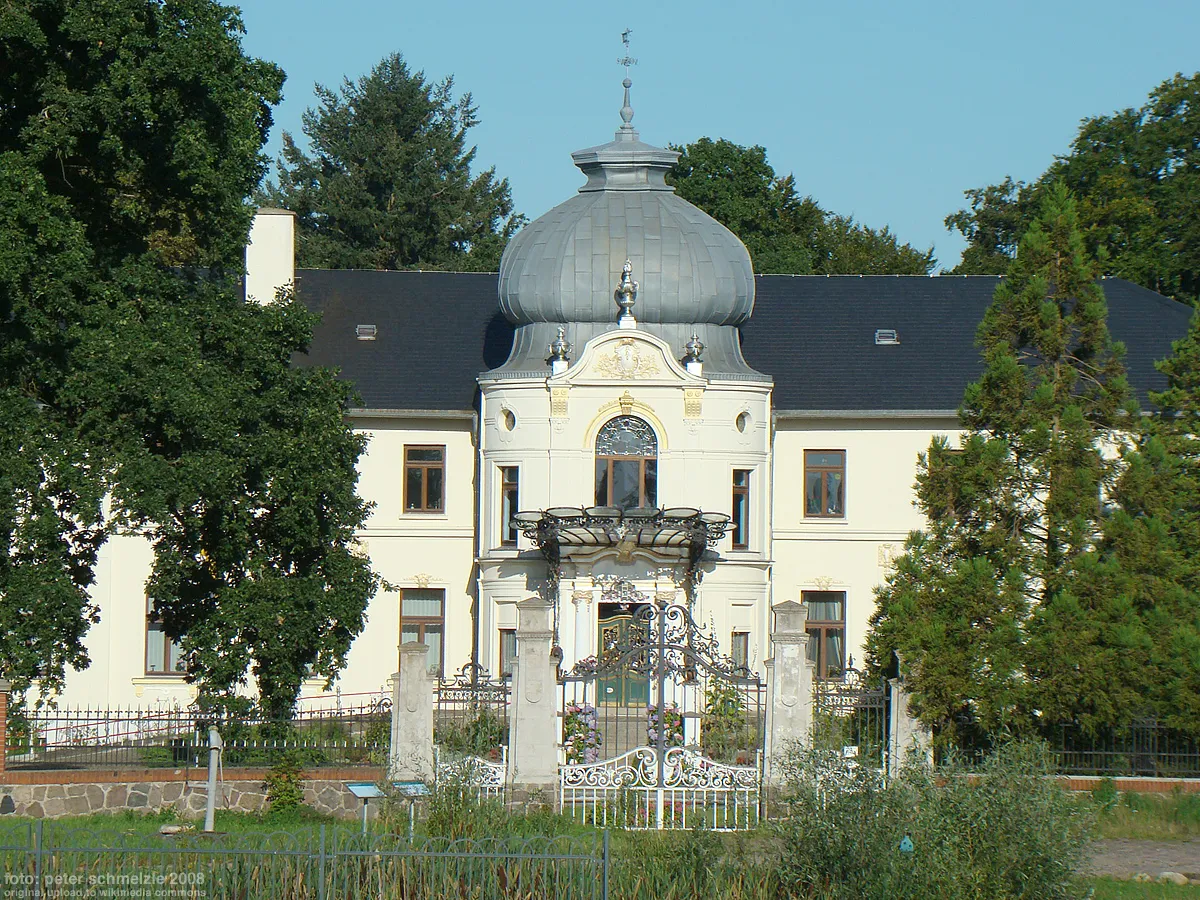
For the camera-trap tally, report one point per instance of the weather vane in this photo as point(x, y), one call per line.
point(626, 60)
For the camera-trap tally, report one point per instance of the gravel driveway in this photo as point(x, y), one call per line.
point(1121, 858)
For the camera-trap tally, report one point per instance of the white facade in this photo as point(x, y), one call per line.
point(549, 436)
point(442, 481)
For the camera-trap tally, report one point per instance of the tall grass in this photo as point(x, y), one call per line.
point(1173, 816)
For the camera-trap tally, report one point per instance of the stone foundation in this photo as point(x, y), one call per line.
point(52, 795)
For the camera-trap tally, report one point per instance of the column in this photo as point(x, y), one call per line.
point(582, 601)
point(533, 724)
point(411, 756)
point(789, 688)
point(907, 736)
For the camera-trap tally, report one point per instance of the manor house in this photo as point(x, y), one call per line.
point(627, 410)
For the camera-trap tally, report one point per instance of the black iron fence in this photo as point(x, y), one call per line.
point(343, 735)
point(471, 714)
point(40, 861)
point(1146, 749)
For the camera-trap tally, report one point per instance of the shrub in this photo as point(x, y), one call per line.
point(581, 735)
point(285, 784)
point(672, 724)
point(1006, 830)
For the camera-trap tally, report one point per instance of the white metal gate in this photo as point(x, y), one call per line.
point(683, 739)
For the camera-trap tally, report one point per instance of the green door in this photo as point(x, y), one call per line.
point(620, 688)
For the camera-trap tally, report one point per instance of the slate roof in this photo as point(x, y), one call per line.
point(815, 335)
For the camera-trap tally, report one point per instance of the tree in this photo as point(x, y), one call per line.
point(998, 610)
point(1136, 174)
point(137, 389)
point(785, 234)
point(389, 184)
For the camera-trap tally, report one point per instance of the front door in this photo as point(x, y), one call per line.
point(623, 687)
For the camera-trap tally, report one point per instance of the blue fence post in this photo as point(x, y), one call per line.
point(321, 876)
point(604, 868)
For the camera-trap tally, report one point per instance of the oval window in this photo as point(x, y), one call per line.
point(508, 421)
point(742, 421)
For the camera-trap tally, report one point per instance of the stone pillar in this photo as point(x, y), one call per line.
point(411, 755)
point(906, 735)
point(5, 688)
point(533, 730)
point(789, 688)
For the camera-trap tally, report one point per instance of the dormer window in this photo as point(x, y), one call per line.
point(365, 332)
point(885, 336)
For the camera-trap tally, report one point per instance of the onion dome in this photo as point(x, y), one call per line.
point(563, 266)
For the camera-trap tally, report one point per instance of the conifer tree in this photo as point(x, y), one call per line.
point(982, 601)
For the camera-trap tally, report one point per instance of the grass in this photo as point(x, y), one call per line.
point(677, 865)
point(1110, 889)
point(1151, 817)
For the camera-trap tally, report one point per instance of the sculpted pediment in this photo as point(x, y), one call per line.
point(628, 356)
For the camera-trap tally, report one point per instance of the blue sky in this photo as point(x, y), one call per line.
point(886, 111)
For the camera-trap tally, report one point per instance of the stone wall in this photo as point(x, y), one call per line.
point(51, 795)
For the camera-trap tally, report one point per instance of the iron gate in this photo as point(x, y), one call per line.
point(660, 729)
point(851, 718)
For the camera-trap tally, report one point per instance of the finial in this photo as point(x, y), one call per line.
point(626, 295)
point(626, 61)
point(694, 349)
point(560, 347)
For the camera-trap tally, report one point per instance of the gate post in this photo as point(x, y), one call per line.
point(789, 688)
point(906, 735)
point(533, 726)
point(411, 754)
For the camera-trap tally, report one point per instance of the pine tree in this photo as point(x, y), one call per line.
point(984, 607)
point(389, 182)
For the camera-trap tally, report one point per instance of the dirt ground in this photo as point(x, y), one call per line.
point(1121, 858)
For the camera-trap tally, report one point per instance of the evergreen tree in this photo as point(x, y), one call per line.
point(785, 233)
point(992, 610)
point(389, 182)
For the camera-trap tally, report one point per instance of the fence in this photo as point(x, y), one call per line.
point(1145, 749)
point(39, 862)
point(178, 737)
point(471, 714)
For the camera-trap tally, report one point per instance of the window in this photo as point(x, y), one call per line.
point(826, 631)
point(825, 483)
point(741, 509)
point(163, 655)
point(508, 651)
point(424, 474)
point(740, 649)
point(626, 464)
point(423, 620)
point(509, 492)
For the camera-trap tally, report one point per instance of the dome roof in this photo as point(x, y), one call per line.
point(565, 266)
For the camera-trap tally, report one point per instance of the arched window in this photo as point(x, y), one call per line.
point(626, 464)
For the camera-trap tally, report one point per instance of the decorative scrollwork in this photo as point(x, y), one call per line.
point(850, 691)
point(472, 684)
point(627, 436)
point(472, 771)
point(638, 769)
point(660, 635)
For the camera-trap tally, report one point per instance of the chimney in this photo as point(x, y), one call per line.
point(270, 254)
